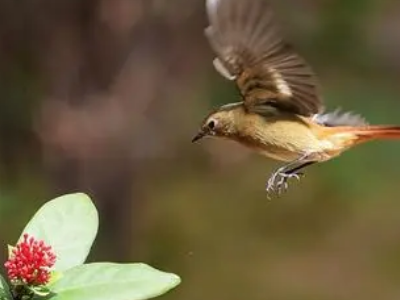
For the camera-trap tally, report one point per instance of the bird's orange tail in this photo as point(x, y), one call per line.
point(342, 138)
point(368, 133)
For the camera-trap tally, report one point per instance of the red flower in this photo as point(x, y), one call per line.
point(30, 262)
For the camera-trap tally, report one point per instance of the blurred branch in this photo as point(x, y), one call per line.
point(107, 64)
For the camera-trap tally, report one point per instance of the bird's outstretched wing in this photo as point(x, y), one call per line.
point(251, 51)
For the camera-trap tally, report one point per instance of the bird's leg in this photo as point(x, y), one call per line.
point(299, 167)
point(279, 179)
point(282, 184)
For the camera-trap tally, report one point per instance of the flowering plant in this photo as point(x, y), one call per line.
point(48, 260)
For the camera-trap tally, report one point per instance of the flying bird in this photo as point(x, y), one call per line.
point(280, 113)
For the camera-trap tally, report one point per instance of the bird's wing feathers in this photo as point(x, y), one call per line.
point(250, 51)
point(339, 118)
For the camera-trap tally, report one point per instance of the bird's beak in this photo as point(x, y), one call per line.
point(198, 136)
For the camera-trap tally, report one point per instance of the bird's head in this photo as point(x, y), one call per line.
point(220, 123)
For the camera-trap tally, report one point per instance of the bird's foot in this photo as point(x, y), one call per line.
point(278, 182)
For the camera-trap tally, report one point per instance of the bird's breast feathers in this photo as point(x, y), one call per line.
point(285, 139)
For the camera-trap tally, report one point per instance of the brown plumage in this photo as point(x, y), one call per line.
point(251, 51)
point(281, 112)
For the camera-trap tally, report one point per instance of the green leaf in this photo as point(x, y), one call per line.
point(69, 224)
point(54, 276)
point(41, 291)
point(10, 250)
point(105, 281)
point(5, 293)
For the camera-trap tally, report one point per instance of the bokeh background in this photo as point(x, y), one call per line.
point(103, 97)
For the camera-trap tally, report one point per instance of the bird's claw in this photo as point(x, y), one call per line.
point(278, 182)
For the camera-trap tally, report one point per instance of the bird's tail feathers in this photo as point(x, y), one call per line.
point(378, 132)
point(367, 133)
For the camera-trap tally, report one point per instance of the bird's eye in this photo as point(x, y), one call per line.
point(211, 124)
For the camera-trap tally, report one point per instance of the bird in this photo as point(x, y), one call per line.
point(280, 111)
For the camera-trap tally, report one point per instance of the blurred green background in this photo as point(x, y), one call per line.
point(103, 97)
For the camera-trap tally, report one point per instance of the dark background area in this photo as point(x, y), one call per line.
point(103, 97)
